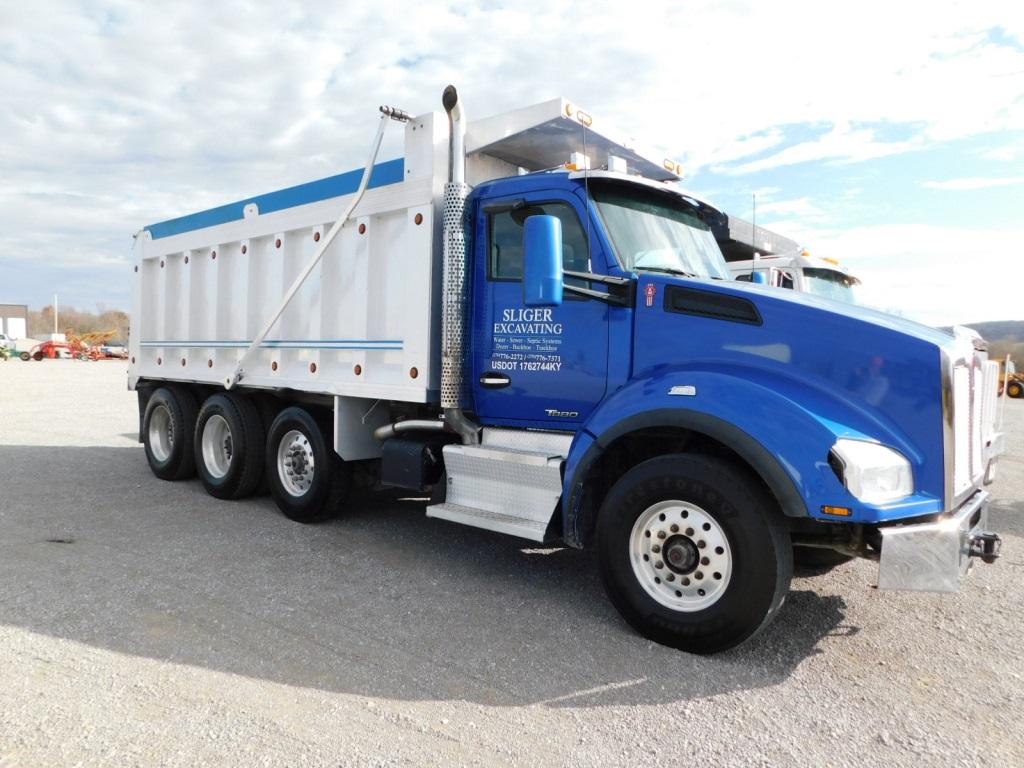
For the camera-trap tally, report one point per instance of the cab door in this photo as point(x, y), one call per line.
point(539, 366)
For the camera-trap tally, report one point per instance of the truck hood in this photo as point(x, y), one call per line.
point(877, 375)
point(761, 294)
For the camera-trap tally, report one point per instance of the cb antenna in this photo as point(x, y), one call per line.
point(753, 234)
point(586, 189)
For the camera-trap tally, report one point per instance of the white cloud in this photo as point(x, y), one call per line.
point(841, 143)
point(117, 114)
point(800, 206)
point(975, 182)
point(1004, 153)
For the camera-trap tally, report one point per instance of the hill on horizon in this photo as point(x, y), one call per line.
point(1000, 330)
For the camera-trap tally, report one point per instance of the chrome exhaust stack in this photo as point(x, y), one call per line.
point(453, 312)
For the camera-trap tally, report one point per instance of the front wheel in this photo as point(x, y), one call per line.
point(692, 553)
point(1015, 389)
point(307, 479)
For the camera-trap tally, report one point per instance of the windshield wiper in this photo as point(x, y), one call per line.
point(667, 271)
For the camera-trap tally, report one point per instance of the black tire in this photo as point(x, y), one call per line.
point(243, 440)
point(1015, 389)
point(328, 482)
point(25, 356)
point(758, 545)
point(175, 408)
point(818, 559)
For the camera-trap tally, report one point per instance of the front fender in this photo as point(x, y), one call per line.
point(781, 427)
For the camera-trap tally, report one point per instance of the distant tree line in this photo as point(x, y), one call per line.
point(998, 350)
point(71, 320)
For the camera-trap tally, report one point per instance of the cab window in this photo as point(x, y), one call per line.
point(506, 240)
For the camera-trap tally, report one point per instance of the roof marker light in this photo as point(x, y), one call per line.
point(672, 166)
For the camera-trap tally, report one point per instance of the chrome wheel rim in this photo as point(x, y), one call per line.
point(295, 462)
point(217, 446)
point(680, 556)
point(161, 433)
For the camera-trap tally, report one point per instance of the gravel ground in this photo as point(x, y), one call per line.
point(145, 623)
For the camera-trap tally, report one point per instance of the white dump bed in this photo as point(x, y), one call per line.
point(365, 323)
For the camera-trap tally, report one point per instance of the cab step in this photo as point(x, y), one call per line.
point(510, 483)
point(491, 521)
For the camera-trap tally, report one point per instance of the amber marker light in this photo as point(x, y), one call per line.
point(837, 511)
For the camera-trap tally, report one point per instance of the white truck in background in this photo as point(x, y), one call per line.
point(800, 272)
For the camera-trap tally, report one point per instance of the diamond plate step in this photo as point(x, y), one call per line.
point(491, 521)
point(511, 484)
point(515, 483)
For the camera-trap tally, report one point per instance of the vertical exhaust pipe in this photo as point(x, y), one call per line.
point(456, 136)
point(453, 316)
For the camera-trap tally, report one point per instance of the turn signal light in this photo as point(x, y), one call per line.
point(838, 511)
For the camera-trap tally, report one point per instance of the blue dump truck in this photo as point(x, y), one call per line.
point(524, 318)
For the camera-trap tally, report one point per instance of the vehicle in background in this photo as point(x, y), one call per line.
point(800, 272)
point(48, 350)
point(1010, 380)
point(549, 344)
point(6, 342)
point(114, 351)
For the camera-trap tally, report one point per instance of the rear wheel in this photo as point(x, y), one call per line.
point(307, 479)
point(692, 554)
point(25, 356)
point(1015, 389)
point(229, 445)
point(167, 427)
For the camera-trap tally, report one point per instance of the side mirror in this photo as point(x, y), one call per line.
point(542, 261)
point(759, 277)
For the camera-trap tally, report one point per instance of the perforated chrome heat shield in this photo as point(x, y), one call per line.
point(453, 331)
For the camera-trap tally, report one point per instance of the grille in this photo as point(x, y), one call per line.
point(974, 418)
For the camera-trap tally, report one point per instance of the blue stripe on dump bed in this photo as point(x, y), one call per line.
point(390, 172)
point(336, 344)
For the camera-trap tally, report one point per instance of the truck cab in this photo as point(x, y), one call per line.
point(800, 272)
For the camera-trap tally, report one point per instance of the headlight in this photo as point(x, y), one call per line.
point(873, 473)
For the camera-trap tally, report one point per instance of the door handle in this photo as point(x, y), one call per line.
point(491, 380)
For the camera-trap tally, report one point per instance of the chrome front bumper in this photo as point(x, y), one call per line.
point(933, 557)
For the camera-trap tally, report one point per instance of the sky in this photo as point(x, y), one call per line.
point(888, 135)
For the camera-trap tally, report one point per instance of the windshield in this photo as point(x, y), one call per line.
point(830, 284)
point(652, 231)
